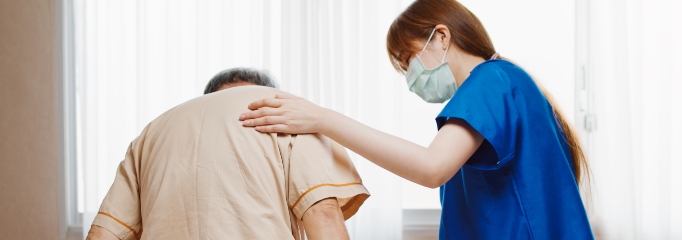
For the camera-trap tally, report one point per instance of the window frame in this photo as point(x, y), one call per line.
point(70, 223)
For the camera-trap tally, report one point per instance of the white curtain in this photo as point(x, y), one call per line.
point(137, 59)
point(635, 76)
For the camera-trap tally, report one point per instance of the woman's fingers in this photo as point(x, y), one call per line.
point(278, 128)
point(261, 121)
point(266, 102)
point(284, 114)
point(261, 112)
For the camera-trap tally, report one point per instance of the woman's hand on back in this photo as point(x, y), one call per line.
point(284, 114)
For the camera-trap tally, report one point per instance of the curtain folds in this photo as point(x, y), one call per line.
point(636, 73)
point(136, 59)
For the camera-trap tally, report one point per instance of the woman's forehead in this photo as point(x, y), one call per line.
point(405, 54)
point(404, 51)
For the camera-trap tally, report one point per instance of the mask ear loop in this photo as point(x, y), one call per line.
point(427, 42)
point(446, 53)
point(495, 56)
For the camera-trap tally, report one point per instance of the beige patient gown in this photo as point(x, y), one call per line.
point(196, 173)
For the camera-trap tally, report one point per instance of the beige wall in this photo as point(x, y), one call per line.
point(29, 152)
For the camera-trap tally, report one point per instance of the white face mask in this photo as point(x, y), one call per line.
point(435, 85)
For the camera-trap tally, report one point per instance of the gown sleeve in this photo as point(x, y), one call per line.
point(120, 209)
point(486, 102)
point(319, 169)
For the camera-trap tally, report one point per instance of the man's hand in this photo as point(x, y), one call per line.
point(324, 220)
point(99, 233)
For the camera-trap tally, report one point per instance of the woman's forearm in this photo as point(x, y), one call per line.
point(399, 156)
point(454, 144)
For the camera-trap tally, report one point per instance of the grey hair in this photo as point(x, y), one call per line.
point(235, 75)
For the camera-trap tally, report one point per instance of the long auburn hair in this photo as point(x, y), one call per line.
point(469, 35)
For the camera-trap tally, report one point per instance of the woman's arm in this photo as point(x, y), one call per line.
point(431, 167)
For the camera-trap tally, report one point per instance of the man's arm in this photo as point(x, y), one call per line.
point(324, 187)
point(119, 213)
point(324, 220)
point(99, 233)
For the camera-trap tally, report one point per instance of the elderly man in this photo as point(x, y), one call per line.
point(196, 173)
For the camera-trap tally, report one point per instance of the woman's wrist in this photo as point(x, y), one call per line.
point(325, 120)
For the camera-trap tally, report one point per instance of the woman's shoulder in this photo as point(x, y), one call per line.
point(493, 68)
point(506, 71)
point(491, 73)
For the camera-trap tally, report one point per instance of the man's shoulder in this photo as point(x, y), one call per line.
point(236, 95)
point(215, 105)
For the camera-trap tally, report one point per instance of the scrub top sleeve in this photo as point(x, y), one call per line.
point(120, 209)
point(486, 102)
point(320, 168)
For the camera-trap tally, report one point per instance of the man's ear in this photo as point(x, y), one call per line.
point(442, 35)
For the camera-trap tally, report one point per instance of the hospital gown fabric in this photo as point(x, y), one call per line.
point(196, 173)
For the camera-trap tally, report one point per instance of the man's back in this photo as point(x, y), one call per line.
point(196, 173)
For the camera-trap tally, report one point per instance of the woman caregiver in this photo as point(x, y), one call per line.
point(506, 160)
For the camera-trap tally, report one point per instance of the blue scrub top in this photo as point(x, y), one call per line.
point(519, 184)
